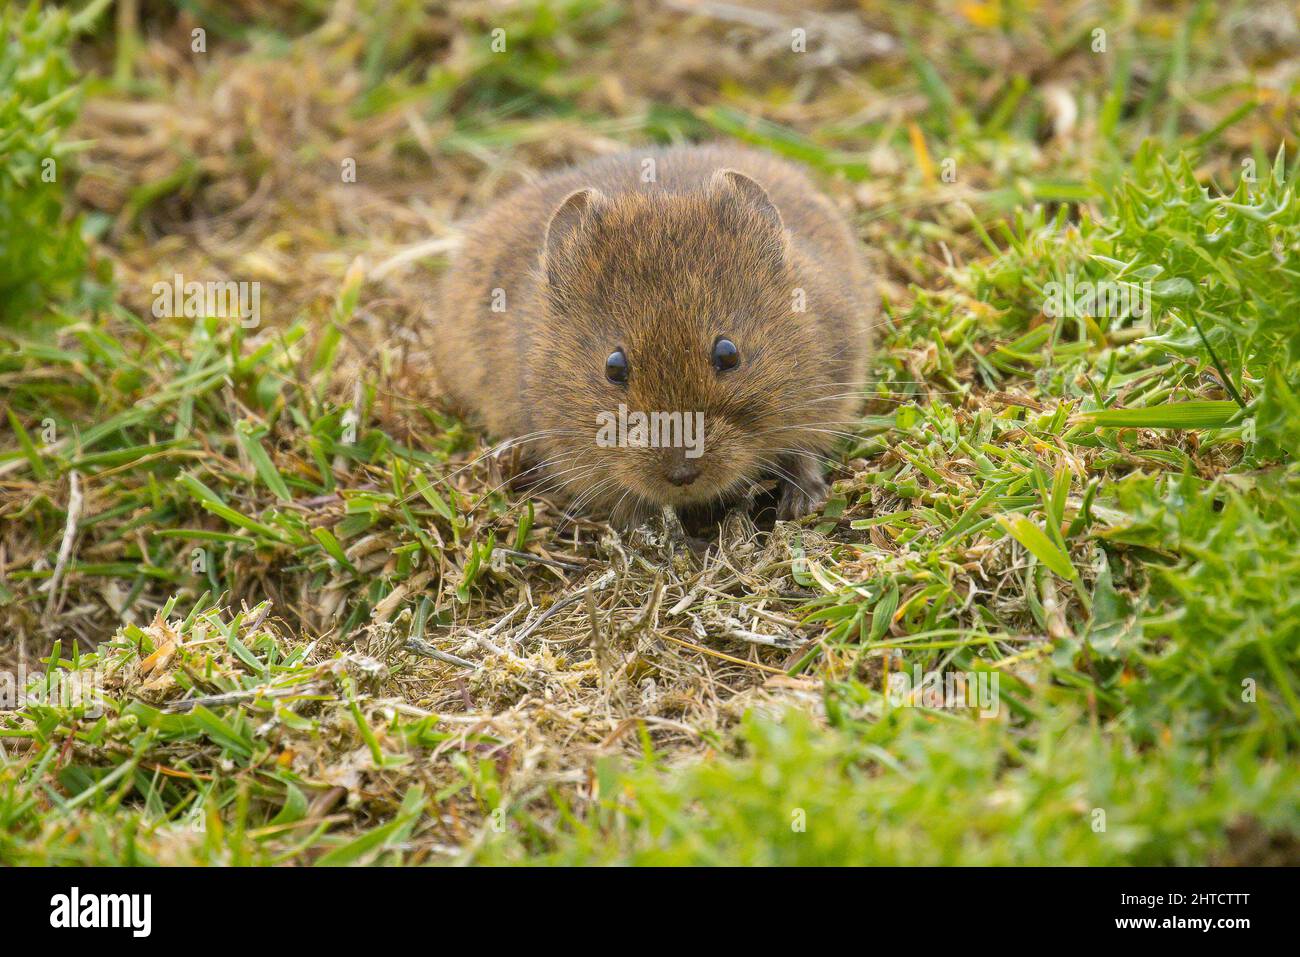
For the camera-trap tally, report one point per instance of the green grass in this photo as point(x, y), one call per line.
point(275, 533)
point(42, 256)
point(905, 789)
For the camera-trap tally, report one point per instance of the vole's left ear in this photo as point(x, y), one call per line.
point(566, 222)
point(749, 192)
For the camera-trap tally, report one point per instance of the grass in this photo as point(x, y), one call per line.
point(317, 628)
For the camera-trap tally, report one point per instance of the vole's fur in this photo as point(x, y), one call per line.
point(722, 242)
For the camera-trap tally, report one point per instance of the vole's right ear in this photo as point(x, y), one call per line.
point(567, 220)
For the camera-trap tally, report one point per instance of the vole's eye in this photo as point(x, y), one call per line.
point(725, 355)
point(616, 367)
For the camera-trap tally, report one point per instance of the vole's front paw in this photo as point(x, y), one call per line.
point(799, 498)
point(630, 515)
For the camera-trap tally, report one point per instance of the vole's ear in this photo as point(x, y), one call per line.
point(747, 191)
point(568, 219)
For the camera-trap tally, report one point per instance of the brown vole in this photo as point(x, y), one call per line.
point(713, 284)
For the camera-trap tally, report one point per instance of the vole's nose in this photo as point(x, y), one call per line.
point(683, 473)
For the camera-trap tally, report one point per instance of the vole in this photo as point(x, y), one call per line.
point(714, 282)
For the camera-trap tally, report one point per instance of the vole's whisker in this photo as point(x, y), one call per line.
point(615, 513)
point(821, 460)
point(539, 467)
point(492, 450)
point(865, 396)
point(556, 480)
point(839, 433)
point(869, 382)
point(575, 508)
point(786, 476)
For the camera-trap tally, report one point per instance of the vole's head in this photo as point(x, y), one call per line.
point(684, 359)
